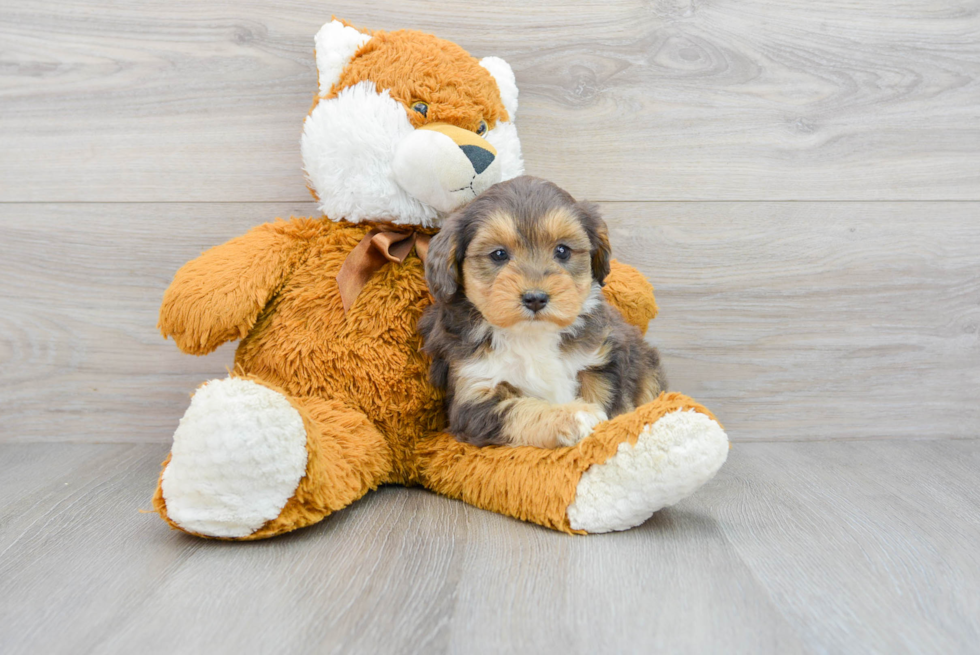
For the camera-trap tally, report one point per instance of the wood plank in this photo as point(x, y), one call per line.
point(790, 320)
point(81, 286)
point(816, 547)
point(816, 320)
point(673, 585)
point(854, 558)
point(33, 480)
point(864, 546)
point(624, 100)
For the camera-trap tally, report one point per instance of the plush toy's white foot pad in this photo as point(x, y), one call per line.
point(238, 456)
point(671, 459)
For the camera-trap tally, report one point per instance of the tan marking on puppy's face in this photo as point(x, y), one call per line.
point(490, 285)
point(510, 257)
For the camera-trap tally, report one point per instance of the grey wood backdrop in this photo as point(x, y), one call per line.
point(800, 180)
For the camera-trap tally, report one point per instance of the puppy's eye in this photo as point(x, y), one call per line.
point(499, 255)
point(482, 129)
point(563, 252)
point(421, 108)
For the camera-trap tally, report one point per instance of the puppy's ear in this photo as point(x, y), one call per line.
point(443, 262)
point(598, 233)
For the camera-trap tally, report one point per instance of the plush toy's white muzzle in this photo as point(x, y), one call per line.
point(445, 166)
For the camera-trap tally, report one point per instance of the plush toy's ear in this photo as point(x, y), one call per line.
point(336, 44)
point(598, 233)
point(443, 262)
point(506, 82)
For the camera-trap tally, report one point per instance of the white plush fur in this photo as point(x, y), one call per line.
point(503, 137)
point(506, 82)
point(348, 147)
point(238, 456)
point(431, 167)
point(336, 44)
point(671, 459)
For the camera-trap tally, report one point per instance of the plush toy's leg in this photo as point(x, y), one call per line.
point(249, 462)
point(615, 479)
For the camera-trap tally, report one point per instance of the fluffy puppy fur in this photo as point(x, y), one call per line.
point(521, 336)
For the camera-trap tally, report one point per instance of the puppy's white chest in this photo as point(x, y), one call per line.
point(531, 361)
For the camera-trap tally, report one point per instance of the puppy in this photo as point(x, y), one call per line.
point(520, 335)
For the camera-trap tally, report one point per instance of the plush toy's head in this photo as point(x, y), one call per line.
point(406, 127)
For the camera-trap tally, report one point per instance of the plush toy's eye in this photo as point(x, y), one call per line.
point(499, 255)
point(563, 252)
point(421, 107)
point(480, 131)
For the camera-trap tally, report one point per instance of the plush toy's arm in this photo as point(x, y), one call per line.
point(628, 291)
point(218, 296)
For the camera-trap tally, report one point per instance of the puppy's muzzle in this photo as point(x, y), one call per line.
point(535, 300)
point(445, 166)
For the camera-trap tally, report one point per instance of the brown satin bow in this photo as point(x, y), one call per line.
point(376, 249)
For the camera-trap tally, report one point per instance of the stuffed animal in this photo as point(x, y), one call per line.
point(330, 395)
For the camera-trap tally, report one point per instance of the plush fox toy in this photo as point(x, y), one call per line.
point(330, 394)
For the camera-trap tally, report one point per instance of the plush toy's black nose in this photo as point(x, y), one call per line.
point(479, 157)
point(535, 300)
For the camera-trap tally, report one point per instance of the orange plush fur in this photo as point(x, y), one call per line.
point(338, 370)
point(392, 61)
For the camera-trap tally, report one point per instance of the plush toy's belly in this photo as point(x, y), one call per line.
point(369, 358)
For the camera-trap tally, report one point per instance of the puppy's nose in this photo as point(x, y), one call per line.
point(479, 157)
point(535, 300)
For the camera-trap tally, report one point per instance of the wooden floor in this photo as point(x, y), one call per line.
point(799, 179)
point(821, 547)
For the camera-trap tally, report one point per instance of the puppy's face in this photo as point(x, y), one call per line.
point(524, 252)
point(528, 270)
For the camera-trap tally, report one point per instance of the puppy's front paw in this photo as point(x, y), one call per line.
point(585, 418)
